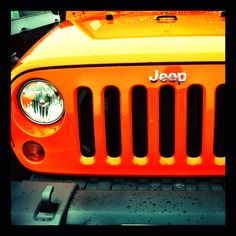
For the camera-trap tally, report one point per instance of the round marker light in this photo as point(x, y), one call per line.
point(33, 151)
point(41, 102)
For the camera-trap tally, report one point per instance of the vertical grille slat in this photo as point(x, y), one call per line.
point(194, 121)
point(153, 127)
point(125, 125)
point(112, 121)
point(167, 118)
point(180, 125)
point(86, 126)
point(220, 113)
point(139, 121)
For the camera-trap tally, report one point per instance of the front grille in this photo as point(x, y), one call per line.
point(153, 128)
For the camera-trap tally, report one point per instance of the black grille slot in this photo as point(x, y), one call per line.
point(139, 121)
point(112, 121)
point(220, 113)
point(194, 121)
point(167, 122)
point(86, 126)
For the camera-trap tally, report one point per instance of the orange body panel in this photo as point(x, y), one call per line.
point(61, 140)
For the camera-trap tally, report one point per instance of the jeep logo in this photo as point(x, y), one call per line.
point(172, 77)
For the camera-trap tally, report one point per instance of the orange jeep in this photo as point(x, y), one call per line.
point(119, 116)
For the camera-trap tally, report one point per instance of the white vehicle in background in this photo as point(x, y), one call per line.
point(27, 27)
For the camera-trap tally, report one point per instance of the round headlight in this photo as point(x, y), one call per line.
point(41, 102)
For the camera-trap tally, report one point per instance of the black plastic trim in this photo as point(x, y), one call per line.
point(142, 200)
point(147, 207)
point(27, 200)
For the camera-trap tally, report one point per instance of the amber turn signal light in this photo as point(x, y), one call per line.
point(33, 151)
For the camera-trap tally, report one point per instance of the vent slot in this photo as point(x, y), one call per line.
point(220, 113)
point(167, 121)
point(86, 126)
point(112, 121)
point(139, 121)
point(194, 121)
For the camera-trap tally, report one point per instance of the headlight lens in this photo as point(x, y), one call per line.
point(41, 102)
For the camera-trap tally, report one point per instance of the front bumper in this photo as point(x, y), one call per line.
point(118, 201)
